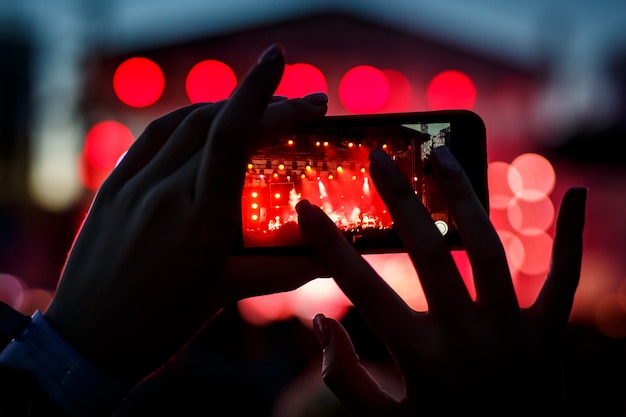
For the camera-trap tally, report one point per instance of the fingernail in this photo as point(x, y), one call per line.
point(321, 330)
point(320, 99)
point(272, 53)
point(445, 160)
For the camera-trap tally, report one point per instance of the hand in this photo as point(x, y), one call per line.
point(151, 262)
point(485, 355)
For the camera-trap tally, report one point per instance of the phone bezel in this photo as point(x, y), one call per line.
point(468, 144)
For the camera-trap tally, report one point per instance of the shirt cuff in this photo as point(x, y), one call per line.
point(72, 382)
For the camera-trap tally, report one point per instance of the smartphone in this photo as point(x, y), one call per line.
point(327, 163)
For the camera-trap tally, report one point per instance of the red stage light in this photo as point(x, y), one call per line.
point(313, 79)
point(210, 81)
point(500, 177)
point(531, 216)
point(537, 174)
point(451, 89)
point(105, 143)
point(301, 79)
point(138, 82)
point(399, 92)
point(364, 89)
point(537, 251)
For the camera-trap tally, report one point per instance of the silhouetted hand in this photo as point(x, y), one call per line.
point(485, 356)
point(151, 262)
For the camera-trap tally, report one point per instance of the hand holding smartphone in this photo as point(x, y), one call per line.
point(327, 163)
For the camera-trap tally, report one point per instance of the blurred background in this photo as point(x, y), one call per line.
point(79, 81)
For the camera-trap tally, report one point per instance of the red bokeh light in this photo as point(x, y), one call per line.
point(301, 79)
point(451, 89)
point(105, 143)
point(265, 309)
point(538, 176)
point(500, 219)
point(364, 89)
point(138, 82)
point(537, 253)
point(11, 290)
point(531, 216)
point(500, 192)
point(210, 81)
point(465, 269)
point(313, 79)
point(399, 92)
point(610, 316)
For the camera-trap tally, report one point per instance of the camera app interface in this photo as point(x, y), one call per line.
point(330, 168)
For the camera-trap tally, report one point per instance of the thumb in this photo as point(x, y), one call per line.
point(344, 374)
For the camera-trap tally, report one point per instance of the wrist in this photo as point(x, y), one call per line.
point(68, 379)
point(108, 344)
point(127, 348)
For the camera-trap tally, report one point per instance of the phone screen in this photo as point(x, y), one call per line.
point(328, 165)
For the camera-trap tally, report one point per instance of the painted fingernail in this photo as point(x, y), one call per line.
point(272, 53)
point(321, 330)
point(320, 99)
point(445, 160)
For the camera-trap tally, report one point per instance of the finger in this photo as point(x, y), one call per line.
point(426, 247)
point(285, 116)
point(184, 142)
point(492, 278)
point(231, 148)
point(225, 154)
point(186, 139)
point(190, 136)
point(280, 118)
point(147, 145)
point(385, 311)
point(249, 276)
point(276, 99)
point(555, 300)
point(344, 375)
